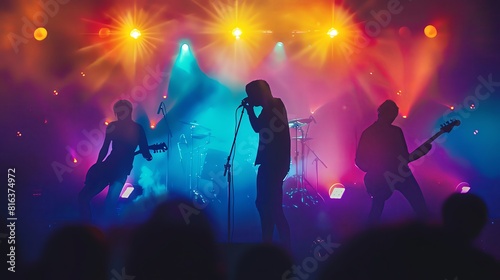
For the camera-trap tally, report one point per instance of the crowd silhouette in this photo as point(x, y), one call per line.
point(177, 244)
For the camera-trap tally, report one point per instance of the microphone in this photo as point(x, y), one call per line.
point(313, 119)
point(243, 102)
point(159, 108)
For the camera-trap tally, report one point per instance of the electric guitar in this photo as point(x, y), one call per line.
point(99, 172)
point(380, 184)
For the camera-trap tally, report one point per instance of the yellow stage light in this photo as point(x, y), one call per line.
point(135, 33)
point(332, 32)
point(237, 33)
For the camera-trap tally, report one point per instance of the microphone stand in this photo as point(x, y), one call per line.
point(169, 136)
point(227, 170)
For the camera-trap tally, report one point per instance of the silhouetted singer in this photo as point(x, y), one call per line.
point(273, 156)
point(124, 135)
point(383, 154)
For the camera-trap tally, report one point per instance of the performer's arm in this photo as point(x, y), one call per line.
point(143, 145)
point(255, 121)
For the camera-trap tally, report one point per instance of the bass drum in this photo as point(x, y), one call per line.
point(295, 196)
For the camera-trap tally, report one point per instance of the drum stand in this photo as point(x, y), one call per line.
point(299, 195)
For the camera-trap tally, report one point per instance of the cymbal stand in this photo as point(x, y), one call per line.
point(315, 161)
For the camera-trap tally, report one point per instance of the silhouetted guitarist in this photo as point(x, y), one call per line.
point(382, 153)
point(124, 135)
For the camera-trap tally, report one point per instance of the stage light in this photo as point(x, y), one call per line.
point(152, 126)
point(127, 190)
point(19, 134)
point(463, 187)
point(279, 44)
point(75, 160)
point(104, 32)
point(405, 116)
point(452, 108)
point(164, 96)
point(106, 123)
point(332, 32)
point(40, 34)
point(476, 132)
point(430, 31)
point(56, 92)
point(237, 33)
point(336, 191)
point(185, 47)
point(135, 33)
point(82, 73)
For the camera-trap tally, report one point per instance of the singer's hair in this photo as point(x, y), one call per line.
point(123, 109)
point(259, 88)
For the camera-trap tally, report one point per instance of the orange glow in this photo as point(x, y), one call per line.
point(75, 160)
point(153, 126)
point(430, 31)
point(104, 32)
point(106, 123)
point(40, 34)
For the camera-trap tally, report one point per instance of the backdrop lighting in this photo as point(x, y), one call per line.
point(463, 187)
point(336, 191)
point(185, 47)
point(127, 190)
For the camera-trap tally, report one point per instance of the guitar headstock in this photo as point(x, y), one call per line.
point(448, 126)
point(159, 147)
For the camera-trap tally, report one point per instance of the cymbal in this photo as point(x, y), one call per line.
point(300, 138)
point(200, 136)
point(295, 124)
point(301, 120)
point(194, 124)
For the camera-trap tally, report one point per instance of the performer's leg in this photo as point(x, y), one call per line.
point(263, 204)
point(412, 192)
point(112, 197)
point(279, 217)
point(376, 210)
point(84, 197)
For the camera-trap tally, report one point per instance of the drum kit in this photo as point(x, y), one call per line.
point(298, 192)
point(204, 162)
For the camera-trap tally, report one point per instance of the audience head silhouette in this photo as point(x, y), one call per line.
point(175, 243)
point(263, 261)
point(73, 252)
point(388, 111)
point(464, 216)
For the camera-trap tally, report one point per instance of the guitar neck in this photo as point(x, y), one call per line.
point(434, 137)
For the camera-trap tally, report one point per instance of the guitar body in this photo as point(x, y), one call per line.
point(100, 174)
